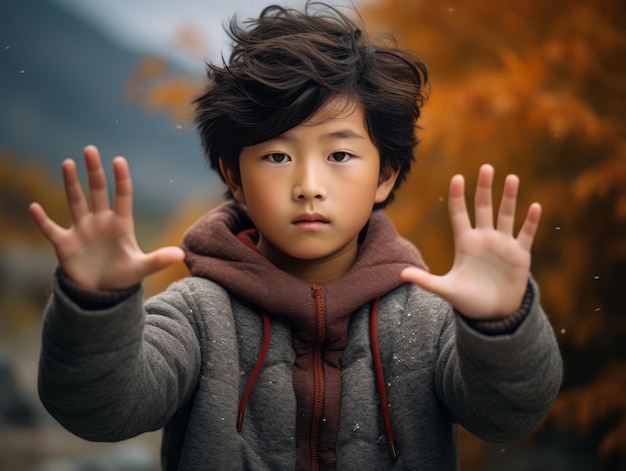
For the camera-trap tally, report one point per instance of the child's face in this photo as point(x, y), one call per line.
point(311, 190)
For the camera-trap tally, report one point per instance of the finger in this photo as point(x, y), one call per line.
point(459, 218)
point(47, 226)
point(123, 198)
point(482, 199)
point(420, 277)
point(506, 212)
point(98, 192)
point(74, 191)
point(529, 228)
point(160, 259)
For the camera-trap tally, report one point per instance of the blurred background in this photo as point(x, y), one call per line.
point(535, 88)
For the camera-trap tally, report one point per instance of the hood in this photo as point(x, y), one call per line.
point(214, 251)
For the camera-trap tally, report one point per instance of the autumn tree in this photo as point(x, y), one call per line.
point(535, 88)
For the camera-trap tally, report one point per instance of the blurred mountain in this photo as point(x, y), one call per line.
point(62, 87)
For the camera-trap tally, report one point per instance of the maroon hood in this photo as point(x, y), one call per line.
point(213, 251)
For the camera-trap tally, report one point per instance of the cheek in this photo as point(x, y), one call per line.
point(256, 186)
point(356, 201)
point(263, 197)
point(362, 185)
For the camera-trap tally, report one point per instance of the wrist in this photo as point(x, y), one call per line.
point(90, 299)
point(506, 325)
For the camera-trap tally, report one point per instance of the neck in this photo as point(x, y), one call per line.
point(320, 271)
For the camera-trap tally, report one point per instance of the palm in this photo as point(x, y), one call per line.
point(491, 266)
point(100, 250)
point(105, 242)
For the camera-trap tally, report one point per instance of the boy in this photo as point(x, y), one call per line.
point(310, 335)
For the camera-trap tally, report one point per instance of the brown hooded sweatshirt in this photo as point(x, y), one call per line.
point(221, 247)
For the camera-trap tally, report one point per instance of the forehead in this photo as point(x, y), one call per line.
point(334, 109)
point(337, 118)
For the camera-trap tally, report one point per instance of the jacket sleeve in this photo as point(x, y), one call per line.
point(112, 373)
point(499, 387)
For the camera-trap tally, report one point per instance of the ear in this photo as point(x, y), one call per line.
point(387, 181)
point(233, 182)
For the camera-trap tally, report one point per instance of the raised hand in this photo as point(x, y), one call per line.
point(100, 251)
point(491, 266)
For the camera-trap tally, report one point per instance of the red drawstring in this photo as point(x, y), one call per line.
point(380, 381)
point(258, 364)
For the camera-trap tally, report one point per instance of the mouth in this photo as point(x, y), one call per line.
point(310, 221)
point(310, 217)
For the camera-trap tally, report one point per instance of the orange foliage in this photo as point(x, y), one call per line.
point(606, 180)
point(535, 88)
point(193, 41)
point(26, 258)
point(158, 90)
point(21, 184)
point(172, 235)
point(603, 402)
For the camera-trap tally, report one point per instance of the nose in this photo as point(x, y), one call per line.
point(309, 183)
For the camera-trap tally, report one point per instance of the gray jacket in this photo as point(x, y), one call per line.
point(113, 366)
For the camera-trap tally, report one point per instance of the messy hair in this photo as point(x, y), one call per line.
point(287, 63)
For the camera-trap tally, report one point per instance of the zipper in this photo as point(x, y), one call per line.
point(318, 374)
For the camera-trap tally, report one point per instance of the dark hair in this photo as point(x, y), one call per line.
point(287, 63)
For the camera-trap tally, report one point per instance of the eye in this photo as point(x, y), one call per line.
point(277, 158)
point(339, 157)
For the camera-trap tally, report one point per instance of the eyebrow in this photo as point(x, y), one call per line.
point(345, 133)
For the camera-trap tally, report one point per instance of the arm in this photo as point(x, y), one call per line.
point(125, 368)
point(499, 386)
point(92, 358)
point(499, 366)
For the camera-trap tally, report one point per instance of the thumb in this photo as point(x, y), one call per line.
point(160, 259)
point(424, 279)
